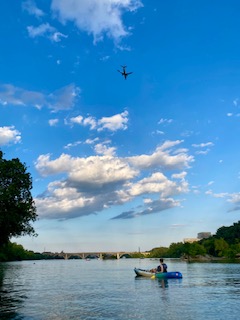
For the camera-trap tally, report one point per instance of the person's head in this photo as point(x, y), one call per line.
point(161, 260)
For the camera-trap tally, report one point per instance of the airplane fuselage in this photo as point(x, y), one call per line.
point(124, 73)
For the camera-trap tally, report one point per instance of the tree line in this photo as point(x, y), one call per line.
point(224, 244)
point(18, 211)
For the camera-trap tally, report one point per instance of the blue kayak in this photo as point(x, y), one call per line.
point(158, 275)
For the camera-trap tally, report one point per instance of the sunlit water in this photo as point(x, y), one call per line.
point(96, 289)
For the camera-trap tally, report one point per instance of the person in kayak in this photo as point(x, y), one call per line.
point(161, 268)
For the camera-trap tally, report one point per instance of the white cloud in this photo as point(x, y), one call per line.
point(180, 175)
point(45, 30)
point(114, 123)
point(210, 183)
point(235, 102)
point(168, 121)
point(102, 181)
point(57, 36)
point(41, 30)
point(47, 167)
point(217, 195)
point(91, 141)
point(71, 145)
point(105, 58)
point(9, 135)
point(162, 158)
point(160, 132)
point(233, 198)
point(204, 152)
point(158, 183)
point(103, 149)
point(90, 121)
point(77, 120)
point(53, 122)
point(32, 9)
point(96, 17)
point(203, 145)
point(61, 99)
point(92, 170)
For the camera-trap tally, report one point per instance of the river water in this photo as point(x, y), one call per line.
point(98, 290)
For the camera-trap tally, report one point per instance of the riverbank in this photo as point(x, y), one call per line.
point(209, 258)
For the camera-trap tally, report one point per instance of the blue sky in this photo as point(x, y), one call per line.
point(123, 164)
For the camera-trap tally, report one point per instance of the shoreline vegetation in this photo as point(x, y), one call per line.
point(224, 246)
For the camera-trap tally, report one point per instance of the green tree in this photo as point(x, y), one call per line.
point(17, 208)
point(175, 250)
point(194, 249)
point(220, 246)
point(230, 234)
point(209, 246)
point(158, 252)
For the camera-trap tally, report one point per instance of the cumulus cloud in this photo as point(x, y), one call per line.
point(9, 135)
point(61, 99)
point(158, 183)
point(96, 17)
point(105, 180)
point(91, 122)
point(163, 158)
point(104, 149)
point(112, 123)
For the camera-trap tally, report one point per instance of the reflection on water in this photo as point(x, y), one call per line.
point(76, 289)
point(163, 283)
point(11, 291)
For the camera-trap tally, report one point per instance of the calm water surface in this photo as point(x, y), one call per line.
point(96, 289)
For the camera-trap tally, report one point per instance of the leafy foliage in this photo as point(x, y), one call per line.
point(226, 243)
point(158, 252)
point(230, 234)
point(15, 252)
point(17, 208)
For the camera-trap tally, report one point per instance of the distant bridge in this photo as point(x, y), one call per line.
point(94, 255)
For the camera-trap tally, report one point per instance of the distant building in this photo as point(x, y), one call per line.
point(203, 235)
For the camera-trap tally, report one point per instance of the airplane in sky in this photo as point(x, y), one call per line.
point(123, 72)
